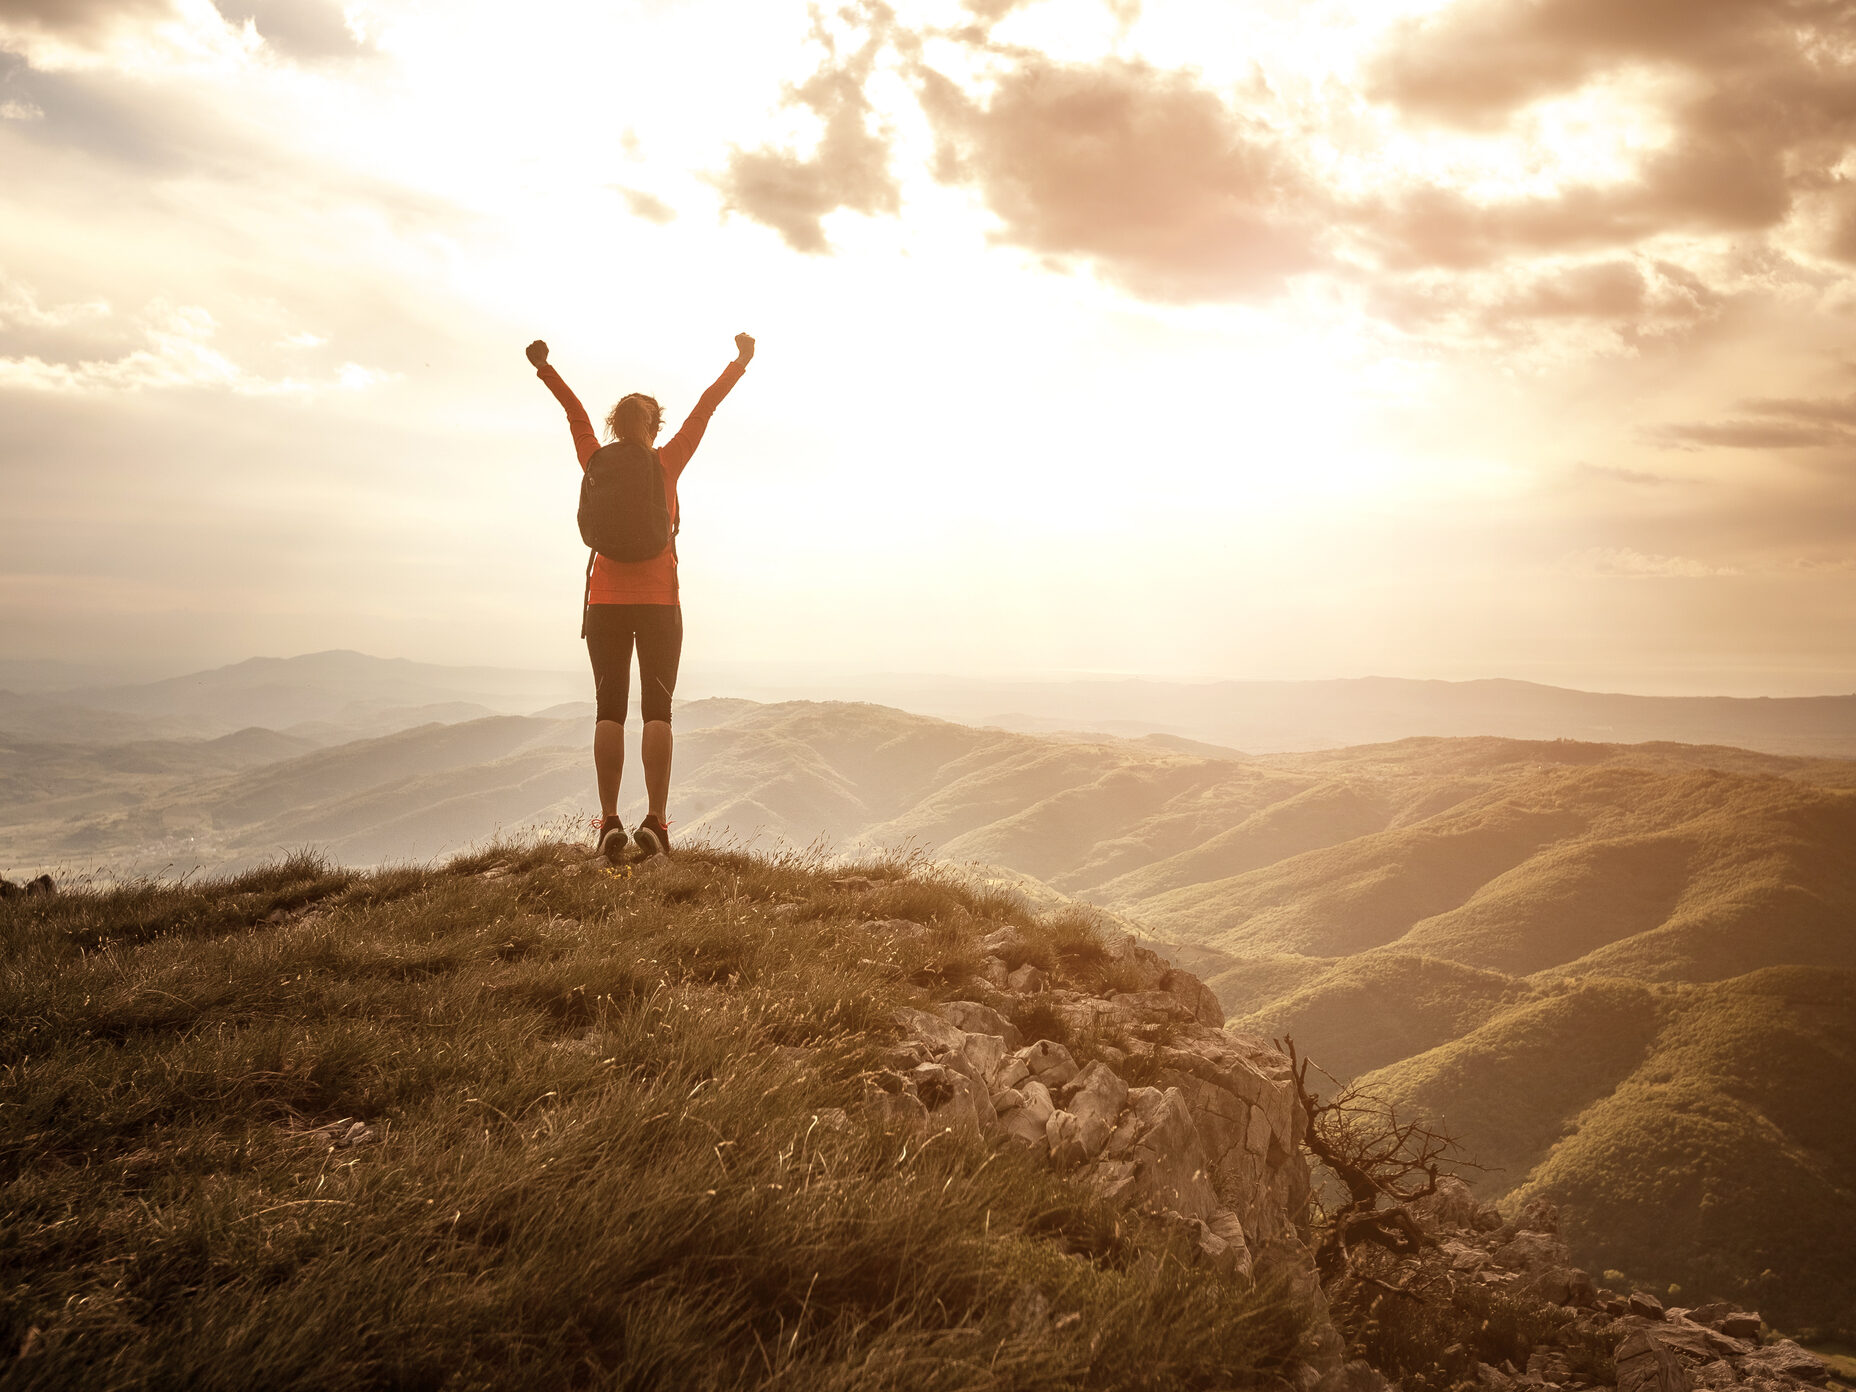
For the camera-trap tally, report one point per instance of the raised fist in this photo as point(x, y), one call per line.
point(744, 347)
point(537, 353)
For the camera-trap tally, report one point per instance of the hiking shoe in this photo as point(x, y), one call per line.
point(652, 836)
point(612, 839)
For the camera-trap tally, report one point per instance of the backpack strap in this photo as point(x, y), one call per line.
point(586, 600)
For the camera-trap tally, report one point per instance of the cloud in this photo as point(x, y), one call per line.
point(1838, 410)
point(1694, 186)
point(310, 30)
point(1178, 190)
point(1756, 95)
point(1614, 474)
point(1477, 61)
point(122, 36)
point(1739, 434)
point(20, 308)
point(1613, 304)
point(849, 168)
point(646, 205)
point(1622, 562)
point(174, 352)
point(138, 125)
point(1785, 423)
point(1144, 173)
point(82, 20)
point(1141, 171)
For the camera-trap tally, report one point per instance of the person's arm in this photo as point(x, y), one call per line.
point(683, 444)
point(585, 441)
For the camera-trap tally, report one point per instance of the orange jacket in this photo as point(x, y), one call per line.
point(653, 581)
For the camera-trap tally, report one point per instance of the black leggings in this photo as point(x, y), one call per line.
point(611, 630)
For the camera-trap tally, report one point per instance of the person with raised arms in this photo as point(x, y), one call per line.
point(629, 521)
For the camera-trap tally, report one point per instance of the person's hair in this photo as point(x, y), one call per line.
point(635, 417)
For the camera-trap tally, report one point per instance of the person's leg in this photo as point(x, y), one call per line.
point(658, 744)
point(609, 763)
point(609, 646)
point(660, 651)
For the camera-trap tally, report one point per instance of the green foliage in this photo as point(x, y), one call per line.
point(1725, 1161)
point(617, 1142)
point(1380, 1007)
point(1689, 1133)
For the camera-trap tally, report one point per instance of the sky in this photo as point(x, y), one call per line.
point(1257, 339)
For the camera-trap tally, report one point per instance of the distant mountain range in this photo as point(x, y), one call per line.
point(333, 696)
point(1623, 974)
point(1270, 717)
point(329, 697)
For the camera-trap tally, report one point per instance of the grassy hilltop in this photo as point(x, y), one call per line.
point(1515, 936)
point(519, 1121)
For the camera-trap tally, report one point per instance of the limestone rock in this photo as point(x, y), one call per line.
point(954, 1101)
point(984, 1055)
point(1788, 1359)
point(1550, 1366)
point(1739, 1324)
point(1217, 1143)
point(1645, 1306)
point(1077, 1133)
point(1022, 1125)
point(1452, 1206)
point(1647, 1365)
point(1027, 980)
point(1199, 1000)
point(1097, 1094)
point(1462, 1256)
point(1695, 1341)
point(1155, 1156)
point(1222, 1245)
point(1134, 960)
point(1072, 1140)
point(1138, 1008)
point(1038, 1100)
point(1012, 1072)
point(975, 1018)
point(1552, 1284)
point(941, 1036)
point(1006, 942)
point(1050, 1063)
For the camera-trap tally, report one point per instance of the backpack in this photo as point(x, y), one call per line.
point(624, 515)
